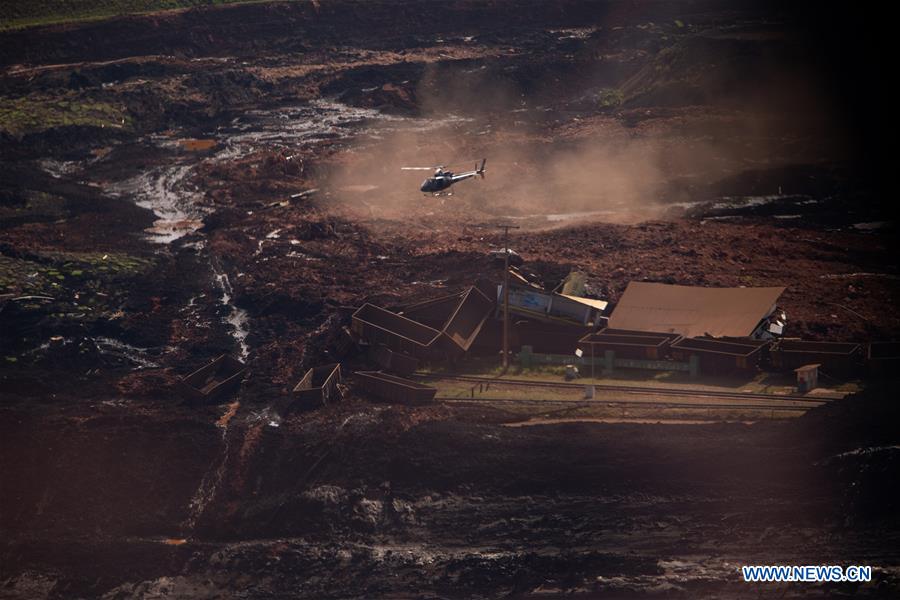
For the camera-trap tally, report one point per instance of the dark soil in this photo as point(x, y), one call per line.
point(695, 143)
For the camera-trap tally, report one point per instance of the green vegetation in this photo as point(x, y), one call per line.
point(574, 284)
point(538, 403)
point(101, 265)
point(18, 275)
point(30, 114)
point(57, 290)
point(611, 98)
point(761, 383)
point(34, 206)
point(47, 273)
point(18, 14)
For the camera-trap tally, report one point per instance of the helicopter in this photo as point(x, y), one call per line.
point(443, 179)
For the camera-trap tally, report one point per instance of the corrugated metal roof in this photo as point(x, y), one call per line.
point(693, 311)
point(593, 303)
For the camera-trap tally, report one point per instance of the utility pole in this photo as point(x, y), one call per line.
point(505, 362)
point(505, 357)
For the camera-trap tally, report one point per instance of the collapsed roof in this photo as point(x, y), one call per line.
point(694, 311)
point(551, 306)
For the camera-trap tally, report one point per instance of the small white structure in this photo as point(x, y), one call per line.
point(807, 377)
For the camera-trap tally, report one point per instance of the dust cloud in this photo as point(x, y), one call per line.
point(604, 175)
point(549, 162)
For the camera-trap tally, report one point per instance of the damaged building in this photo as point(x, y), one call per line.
point(700, 311)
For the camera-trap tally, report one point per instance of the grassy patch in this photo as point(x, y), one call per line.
point(32, 114)
point(100, 265)
point(56, 292)
point(646, 415)
point(31, 205)
point(611, 98)
point(759, 383)
point(17, 275)
point(49, 272)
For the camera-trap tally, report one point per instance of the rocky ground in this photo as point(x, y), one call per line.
point(147, 224)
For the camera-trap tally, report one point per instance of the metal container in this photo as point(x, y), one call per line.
point(883, 359)
point(213, 381)
point(377, 325)
point(719, 356)
point(435, 312)
point(629, 344)
point(393, 388)
point(319, 386)
point(842, 358)
point(466, 321)
point(389, 360)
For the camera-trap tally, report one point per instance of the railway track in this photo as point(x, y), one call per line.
point(649, 404)
point(744, 397)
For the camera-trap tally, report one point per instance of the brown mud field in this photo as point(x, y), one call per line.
point(180, 185)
